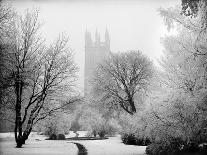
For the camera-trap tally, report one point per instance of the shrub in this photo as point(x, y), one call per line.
point(112, 127)
point(191, 147)
point(102, 129)
point(61, 137)
point(133, 139)
point(51, 129)
point(135, 129)
point(129, 139)
point(94, 133)
point(97, 124)
point(175, 146)
point(203, 147)
point(155, 149)
point(56, 124)
point(102, 133)
point(53, 137)
point(143, 141)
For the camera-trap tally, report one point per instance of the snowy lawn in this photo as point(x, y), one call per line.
point(34, 147)
point(37, 145)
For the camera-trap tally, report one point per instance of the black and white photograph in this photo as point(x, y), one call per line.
point(103, 77)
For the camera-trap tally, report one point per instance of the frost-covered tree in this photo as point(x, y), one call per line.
point(6, 94)
point(41, 77)
point(97, 124)
point(181, 112)
point(56, 124)
point(185, 53)
point(122, 77)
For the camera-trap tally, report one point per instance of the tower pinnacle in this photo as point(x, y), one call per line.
point(97, 38)
point(88, 41)
point(107, 39)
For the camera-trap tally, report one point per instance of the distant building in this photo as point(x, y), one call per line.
point(95, 52)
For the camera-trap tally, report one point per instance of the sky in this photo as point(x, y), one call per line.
point(132, 24)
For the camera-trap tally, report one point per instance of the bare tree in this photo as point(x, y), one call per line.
point(6, 93)
point(120, 78)
point(41, 77)
point(6, 15)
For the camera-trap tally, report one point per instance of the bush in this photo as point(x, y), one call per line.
point(94, 133)
point(102, 133)
point(132, 139)
point(129, 139)
point(102, 129)
point(51, 129)
point(143, 141)
point(56, 124)
point(176, 146)
point(155, 149)
point(97, 124)
point(203, 147)
point(135, 129)
point(53, 137)
point(61, 137)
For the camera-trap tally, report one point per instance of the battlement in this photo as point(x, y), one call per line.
point(89, 43)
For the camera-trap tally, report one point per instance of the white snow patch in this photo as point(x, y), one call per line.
point(37, 145)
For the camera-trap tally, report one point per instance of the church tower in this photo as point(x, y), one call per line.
point(95, 52)
point(107, 40)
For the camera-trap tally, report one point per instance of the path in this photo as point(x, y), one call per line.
point(81, 149)
point(111, 146)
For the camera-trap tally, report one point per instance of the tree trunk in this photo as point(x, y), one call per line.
point(18, 129)
point(20, 139)
point(18, 121)
point(133, 108)
point(26, 135)
point(76, 134)
point(94, 133)
point(28, 130)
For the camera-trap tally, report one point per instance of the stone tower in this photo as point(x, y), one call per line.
point(95, 52)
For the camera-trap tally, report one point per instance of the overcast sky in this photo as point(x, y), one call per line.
point(132, 24)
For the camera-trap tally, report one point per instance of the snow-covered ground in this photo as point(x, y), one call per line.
point(37, 145)
point(34, 135)
point(111, 146)
point(34, 147)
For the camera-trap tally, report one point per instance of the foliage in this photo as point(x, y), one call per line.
point(135, 129)
point(120, 78)
point(57, 124)
point(75, 126)
point(160, 149)
point(40, 77)
point(61, 137)
point(129, 139)
point(190, 7)
point(132, 139)
point(178, 118)
point(53, 137)
point(6, 16)
point(96, 124)
point(185, 74)
point(7, 99)
point(175, 146)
